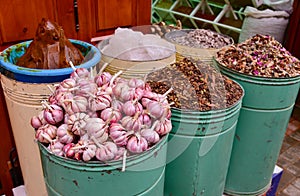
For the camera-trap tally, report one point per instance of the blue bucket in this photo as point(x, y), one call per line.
point(10, 55)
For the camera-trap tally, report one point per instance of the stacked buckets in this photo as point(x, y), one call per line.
point(264, 116)
point(233, 149)
point(24, 89)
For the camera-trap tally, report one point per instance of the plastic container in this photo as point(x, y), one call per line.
point(134, 68)
point(199, 150)
point(203, 54)
point(260, 131)
point(144, 174)
point(24, 89)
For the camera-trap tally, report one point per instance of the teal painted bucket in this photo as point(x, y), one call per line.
point(199, 150)
point(264, 116)
point(144, 174)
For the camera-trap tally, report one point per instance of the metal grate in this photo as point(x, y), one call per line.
point(197, 5)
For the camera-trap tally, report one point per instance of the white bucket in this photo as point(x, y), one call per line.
point(23, 101)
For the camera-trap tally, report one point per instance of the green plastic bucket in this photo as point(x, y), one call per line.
point(199, 150)
point(264, 116)
point(144, 174)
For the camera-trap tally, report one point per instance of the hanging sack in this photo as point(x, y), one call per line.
point(267, 22)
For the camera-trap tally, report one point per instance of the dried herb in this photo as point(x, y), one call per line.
point(196, 86)
point(260, 55)
point(203, 38)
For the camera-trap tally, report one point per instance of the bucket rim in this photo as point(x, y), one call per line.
point(168, 35)
point(5, 64)
point(257, 78)
point(210, 114)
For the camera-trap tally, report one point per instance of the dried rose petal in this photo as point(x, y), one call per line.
point(260, 55)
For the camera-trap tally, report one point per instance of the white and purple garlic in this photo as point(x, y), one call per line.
point(101, 118)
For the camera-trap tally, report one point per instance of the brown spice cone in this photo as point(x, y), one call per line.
point(50, 49)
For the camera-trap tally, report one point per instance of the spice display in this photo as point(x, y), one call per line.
point(50, 49)
point(202, 38)
point(102, 118)
point(261, 56)
point(196, 86)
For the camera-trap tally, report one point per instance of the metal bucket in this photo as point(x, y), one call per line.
point(144, 174)
point(203, 54)
point(24, 89)
point(260, 131)
point(199, 150)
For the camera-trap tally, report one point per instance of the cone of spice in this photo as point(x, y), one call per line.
point(50, 49)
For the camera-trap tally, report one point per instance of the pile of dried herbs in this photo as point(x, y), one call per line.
point(261, 56)
point(196, 86)
point(203, 38)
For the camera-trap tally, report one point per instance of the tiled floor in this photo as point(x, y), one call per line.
point(289, 160)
